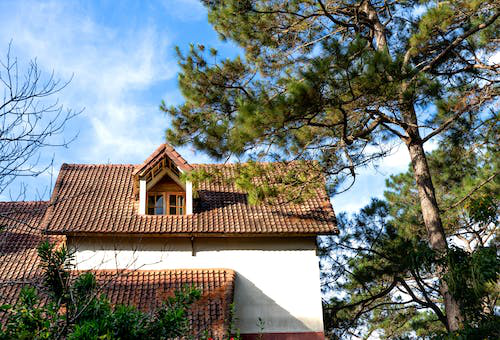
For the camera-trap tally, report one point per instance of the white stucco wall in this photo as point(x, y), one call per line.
point(277, 278)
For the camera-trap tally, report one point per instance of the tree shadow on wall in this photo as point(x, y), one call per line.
point(252, 303)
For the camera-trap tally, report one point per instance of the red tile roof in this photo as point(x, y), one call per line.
point(20, 235)
point(147, 289)
point(90, 199)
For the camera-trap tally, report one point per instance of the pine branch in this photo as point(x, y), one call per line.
point(476, 188)
point(372, 298)
point(332, 18)
point(441, 56)
point(460, 111)
point(429, 304)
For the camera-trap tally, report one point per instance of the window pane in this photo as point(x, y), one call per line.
point(172, 211)
point(180, 200)
point(151, 211)
point(172, 199)
point(181, 211)
point(151, 200)
point(159, 205)
point(159, 201)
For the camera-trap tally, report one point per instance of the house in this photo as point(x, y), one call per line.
point(145, 230)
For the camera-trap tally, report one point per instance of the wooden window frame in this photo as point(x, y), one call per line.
point(177, 207)
point(155, 194)
point(166, 202)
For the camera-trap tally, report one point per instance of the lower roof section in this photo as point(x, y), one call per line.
point(20, 235)
point(147, 290)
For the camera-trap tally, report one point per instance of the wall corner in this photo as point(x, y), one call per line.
point(142, 197)
point(189, 198)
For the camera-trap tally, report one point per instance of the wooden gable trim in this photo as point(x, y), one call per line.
point(160, 175)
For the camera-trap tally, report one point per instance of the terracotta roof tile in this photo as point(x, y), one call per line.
point(100, 199)
point(147, 289)
point(20, 236)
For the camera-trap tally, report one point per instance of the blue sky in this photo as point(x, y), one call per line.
point(122, 60)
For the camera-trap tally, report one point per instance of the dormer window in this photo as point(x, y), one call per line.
point(167, 203)
point(159, 185)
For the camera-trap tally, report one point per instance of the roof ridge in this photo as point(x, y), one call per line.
point(20, 202)
point(259, 162)
point(228, 270)
point(71, 165)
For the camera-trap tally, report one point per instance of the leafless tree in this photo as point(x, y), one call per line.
point(31, 119)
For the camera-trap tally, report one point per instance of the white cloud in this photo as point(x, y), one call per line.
point(185, 10)
point(112, 68)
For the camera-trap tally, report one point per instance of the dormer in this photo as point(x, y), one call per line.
point(159, 186)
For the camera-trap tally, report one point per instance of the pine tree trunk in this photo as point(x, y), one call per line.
point(432, 221)
point(426, 193)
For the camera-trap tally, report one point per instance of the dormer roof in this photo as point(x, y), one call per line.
point(164, 150)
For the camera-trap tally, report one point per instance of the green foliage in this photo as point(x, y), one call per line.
point(233, 333)
point(471, 278)
point(273, 182)
point(307, 82)
point(171, 319)
point(84, 287)
point(436, 19)
point(27, 320)
point(266, 182)
point(487, 329)
point(101, 321)
point(54, 262)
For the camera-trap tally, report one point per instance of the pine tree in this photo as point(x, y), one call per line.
point(338, 82)
point(381, 272)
